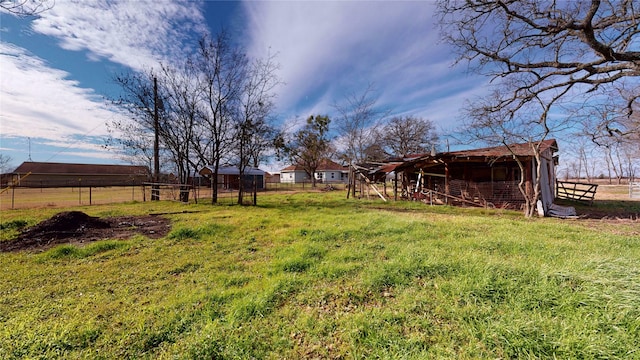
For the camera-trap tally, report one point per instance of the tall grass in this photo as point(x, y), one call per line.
point(319, 276)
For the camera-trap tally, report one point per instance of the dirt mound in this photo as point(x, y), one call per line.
point(76, 227)
point(66, 224)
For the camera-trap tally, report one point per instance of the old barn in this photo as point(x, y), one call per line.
point(482, 177)
point(49, 174)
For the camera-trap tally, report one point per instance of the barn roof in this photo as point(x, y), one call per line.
point(523, 149)
point(479, 155)
point(51, 168)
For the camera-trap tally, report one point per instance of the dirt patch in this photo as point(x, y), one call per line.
point(76, 227)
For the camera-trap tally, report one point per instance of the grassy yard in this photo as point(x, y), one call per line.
point(313, 275)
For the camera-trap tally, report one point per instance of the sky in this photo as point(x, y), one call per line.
point(57, 68)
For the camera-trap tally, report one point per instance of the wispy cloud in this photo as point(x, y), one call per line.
point(329, 49)
point(136, 34)
point(44, 103)
point(41, 102)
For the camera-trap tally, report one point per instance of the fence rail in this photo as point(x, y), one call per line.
point(634, 190)
point(576, 191)
point(37, 197)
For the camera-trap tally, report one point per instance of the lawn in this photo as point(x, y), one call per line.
point(313, 275)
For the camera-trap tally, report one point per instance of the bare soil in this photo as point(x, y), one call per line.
point(76, 227)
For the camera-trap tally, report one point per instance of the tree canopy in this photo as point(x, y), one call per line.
point(307, 146)
point(543, 56)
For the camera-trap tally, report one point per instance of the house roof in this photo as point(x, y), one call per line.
point(324, 165)
point(292, 168)
point(79, 169)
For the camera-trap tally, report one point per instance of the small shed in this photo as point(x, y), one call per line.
point(487, 175)
point(49, 174)
point(484, 177)
point(229, 177)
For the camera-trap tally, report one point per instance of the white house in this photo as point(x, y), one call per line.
point(293, 174)
point(327, 172)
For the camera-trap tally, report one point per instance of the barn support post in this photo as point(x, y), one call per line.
point(447, 191)
point(353, 179)
point(395, 186)
point(90, 196)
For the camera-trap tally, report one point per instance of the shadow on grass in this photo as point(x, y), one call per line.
point(605, 209)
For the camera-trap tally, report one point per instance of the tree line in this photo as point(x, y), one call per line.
point(217, 107)
point(556, 67)
point(567, 68)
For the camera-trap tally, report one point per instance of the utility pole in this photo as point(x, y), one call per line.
point(155, 189)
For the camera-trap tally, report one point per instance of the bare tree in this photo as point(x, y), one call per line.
point(180, 129)
point(134, 136)
point(178, 92)
point(614, 132)
point(541, 55)
point(408, 135)
point(5, 163)
point(546, 46)
point(356, 122)
point(307, 146)
point(504, 126)
point(26, 7)
point(223, 68)
point(215, 105)
point(252, 120)
point(132, 140)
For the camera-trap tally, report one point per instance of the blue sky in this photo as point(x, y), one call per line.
point(56, 70)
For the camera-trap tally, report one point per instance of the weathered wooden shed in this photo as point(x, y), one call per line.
point(483, 177)
point(487, 176)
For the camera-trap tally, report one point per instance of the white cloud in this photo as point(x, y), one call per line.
point(329, 49)
point(133, 33)
point(40, 102)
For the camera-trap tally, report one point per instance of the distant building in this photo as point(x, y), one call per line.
point(229, 177)
point(327, 172)
point(48, 174)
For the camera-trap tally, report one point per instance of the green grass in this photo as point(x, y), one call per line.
point(319, 276)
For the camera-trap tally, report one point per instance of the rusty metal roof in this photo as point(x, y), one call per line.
point(76, 169)
point(479, 155)
point(523, 149)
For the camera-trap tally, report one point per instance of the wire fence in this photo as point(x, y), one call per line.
point(59, 197)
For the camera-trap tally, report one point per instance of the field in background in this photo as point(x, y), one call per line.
point(314, 275)
point(26, 198)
